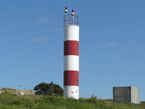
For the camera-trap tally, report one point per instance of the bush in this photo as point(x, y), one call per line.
point(48, 89)
point(93, 99)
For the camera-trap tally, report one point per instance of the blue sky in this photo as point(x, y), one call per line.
point(112, 48)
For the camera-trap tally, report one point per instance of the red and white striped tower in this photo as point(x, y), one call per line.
point(71, 55)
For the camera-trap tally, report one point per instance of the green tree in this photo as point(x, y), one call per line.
point(48, 89)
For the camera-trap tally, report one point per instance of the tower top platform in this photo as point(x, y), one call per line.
point(70, 19)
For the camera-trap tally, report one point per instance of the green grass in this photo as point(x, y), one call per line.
point(11, 101)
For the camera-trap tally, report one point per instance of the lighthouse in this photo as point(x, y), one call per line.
point(71, 55)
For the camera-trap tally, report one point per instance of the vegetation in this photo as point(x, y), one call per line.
point(13, 101)
point(49, 96)
point(48, 89)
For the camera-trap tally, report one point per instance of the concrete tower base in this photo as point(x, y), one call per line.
point(71, 92)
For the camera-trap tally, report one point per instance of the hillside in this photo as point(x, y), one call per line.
point(17, 91)
point(14, 101)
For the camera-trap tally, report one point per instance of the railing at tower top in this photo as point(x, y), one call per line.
point(71, 20)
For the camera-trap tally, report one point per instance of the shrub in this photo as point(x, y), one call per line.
point(93, 99)
point(48, 89)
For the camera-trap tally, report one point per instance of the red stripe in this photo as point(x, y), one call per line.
point(71, 78)
point(71, 48)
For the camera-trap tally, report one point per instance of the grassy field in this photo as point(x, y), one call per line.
point(13, 101)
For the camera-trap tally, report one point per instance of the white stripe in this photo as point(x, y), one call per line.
point(71, 32)
point(71, 92)
point(71, 62)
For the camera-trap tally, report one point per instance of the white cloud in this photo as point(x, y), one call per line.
point(42, 39)
point(128, 42)
point(109, 45)
point(124, 43)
